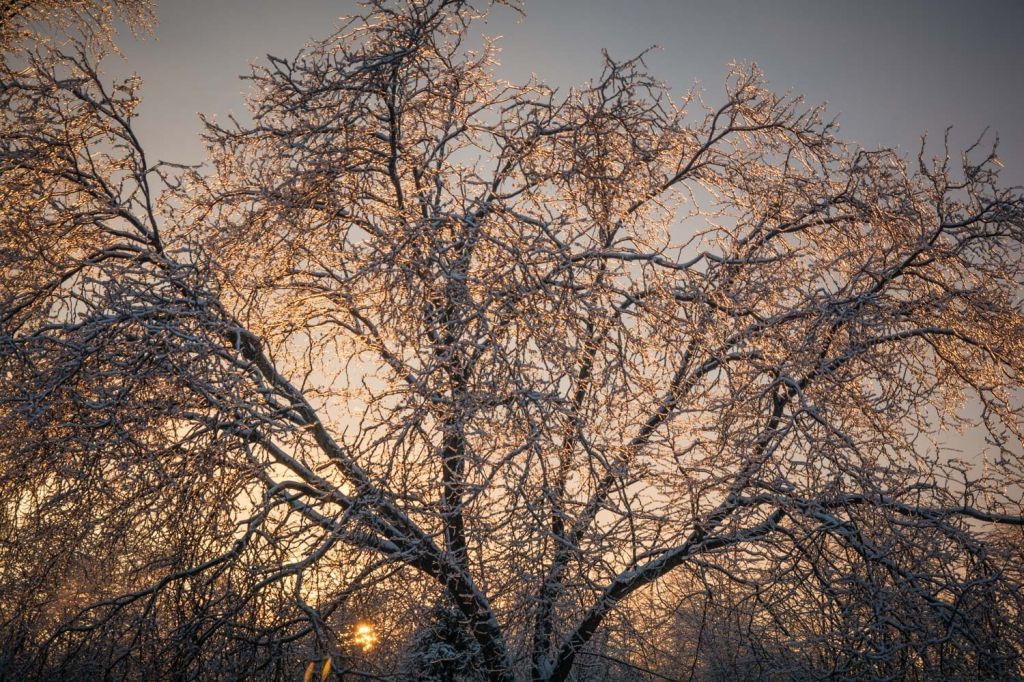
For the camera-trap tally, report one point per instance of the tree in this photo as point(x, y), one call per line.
point(444, 649)
point(591, 368)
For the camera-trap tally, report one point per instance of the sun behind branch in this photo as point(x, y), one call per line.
point(365, 637)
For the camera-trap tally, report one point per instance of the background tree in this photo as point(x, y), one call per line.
point(590, 368)
point(443, 649)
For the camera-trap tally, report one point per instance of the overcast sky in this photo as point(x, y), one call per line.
point(892, 69)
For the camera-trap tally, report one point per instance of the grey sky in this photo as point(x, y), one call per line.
point(890, 69)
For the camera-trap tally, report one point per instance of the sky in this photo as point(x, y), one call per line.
point(890, 69)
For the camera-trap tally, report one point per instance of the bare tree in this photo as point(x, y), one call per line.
point(597, 372)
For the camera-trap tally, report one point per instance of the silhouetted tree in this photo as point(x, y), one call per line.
point(576, 365)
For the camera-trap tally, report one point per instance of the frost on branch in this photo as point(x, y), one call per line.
point(626, 382)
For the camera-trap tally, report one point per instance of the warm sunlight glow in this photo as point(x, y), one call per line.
point(550, 382)
point(365, 637)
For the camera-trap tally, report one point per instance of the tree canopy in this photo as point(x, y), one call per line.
point(430, 375)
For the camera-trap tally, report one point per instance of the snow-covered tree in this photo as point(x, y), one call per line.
point(444, 650)
point(594, 369)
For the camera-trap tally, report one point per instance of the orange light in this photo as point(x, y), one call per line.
point(365, 637)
